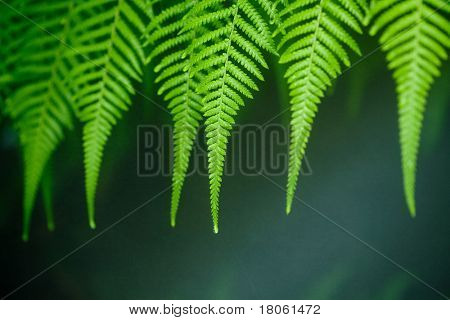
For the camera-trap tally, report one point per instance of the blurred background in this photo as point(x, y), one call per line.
point(260, 253)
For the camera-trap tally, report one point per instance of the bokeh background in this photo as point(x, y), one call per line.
point(260, 253)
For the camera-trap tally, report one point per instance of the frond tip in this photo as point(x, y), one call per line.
point(110, 56)
point(179, 83)
point(231, 46)
point(41, 105)
point(314, 44)
point(415, 36)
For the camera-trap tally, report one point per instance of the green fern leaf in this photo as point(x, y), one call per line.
point(178, 83)
point(313, 42)
point(231, 46)
point(40, 106)
point(415, 36)
point(107, 44)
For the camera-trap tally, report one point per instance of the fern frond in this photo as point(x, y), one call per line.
point(314, 42)
point(415, 36)
point(178, 84)
point(232, 47)
point(40, 106)
point(107, 44)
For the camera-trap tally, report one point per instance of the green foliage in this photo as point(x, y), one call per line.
point(313, 39)
point(231, 46)
point(179, 85)
point(59, 58)
point(41, 104)
point(13, 34)
point(415, 35)
point(106, 42)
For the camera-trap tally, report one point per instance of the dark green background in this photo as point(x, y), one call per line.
point(260, 253)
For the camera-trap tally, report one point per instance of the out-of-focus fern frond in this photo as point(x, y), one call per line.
point(106, 42)
point(415, 36)
point(41, 104)
point(314, 40)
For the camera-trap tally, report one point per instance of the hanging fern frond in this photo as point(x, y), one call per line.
point(107, 45)
point(179, 85)
point(232, 46)
point(41, 104)
point(415, 36)
point(314, 40)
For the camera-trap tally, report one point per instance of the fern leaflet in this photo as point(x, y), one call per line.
point(232, 47)
point(313, 43)
point(415, 36)
point(178, 84)
point(107, 43)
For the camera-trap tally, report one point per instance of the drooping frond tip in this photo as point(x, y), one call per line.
point(415, 37)
point(313, 42)
point(179, 83)
point(110, 58)
point(41, 105)
point(230, 45)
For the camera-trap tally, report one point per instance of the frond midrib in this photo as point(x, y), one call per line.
point(408, 148)
point(216, 163)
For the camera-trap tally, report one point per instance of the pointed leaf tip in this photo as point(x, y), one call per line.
point(412, 208)
point(288, 206)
